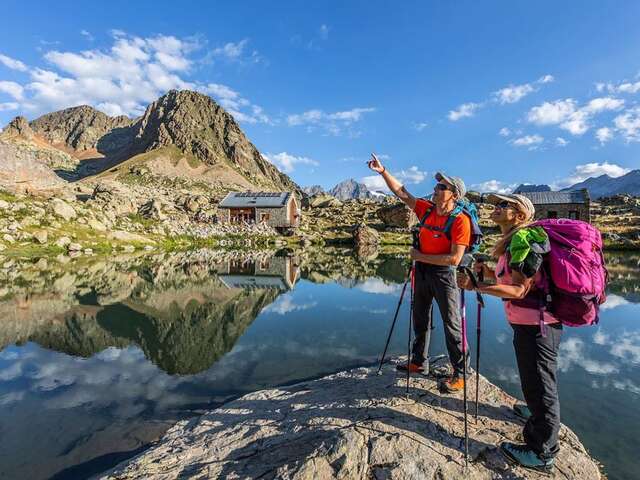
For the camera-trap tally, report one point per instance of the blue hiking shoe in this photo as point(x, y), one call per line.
point(522, 411)
point(525, 457)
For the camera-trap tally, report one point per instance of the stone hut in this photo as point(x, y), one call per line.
point(277, 209)
point(572, 204)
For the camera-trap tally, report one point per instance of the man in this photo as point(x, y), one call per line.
point(435, 273)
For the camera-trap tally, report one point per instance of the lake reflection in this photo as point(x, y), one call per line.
point(99, 358)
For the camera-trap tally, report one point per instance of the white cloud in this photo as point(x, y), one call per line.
point(332, 123)
point(235, 52)
point(286, 304)
point(375, 182)
point(572, 352)
point(531, 141)
point(287, 163)
point(629, 87)
point(624, 87)
point(568, 116)
point(552, 113)
point(493, 186)
point(9, 106)
point(377, 285)
point(604, 134)
point(582, 172)
point(513, 93)
point(323, 32)
point(504, 132)
point(231, 51)
point(463, 111)
point(561, 142)
point(12, 88)
point(614, 301)
point(124, 78)
point(86, 34)
point(412, 175)
point(627, 347)
point(628, 124)
point(12, 63)
point(420, 126)
point(603, 104)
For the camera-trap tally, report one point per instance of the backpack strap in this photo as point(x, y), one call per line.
point(426, 215)
point(447, 226)
point(452, 218)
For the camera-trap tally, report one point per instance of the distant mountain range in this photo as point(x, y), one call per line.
point(524, 188)
point(605, 186)
point(347, 190)
point(598, 187)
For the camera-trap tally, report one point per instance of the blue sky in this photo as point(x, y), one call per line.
point(497, 92)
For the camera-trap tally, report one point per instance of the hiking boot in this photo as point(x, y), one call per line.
point(413, 367)
point(453, 384)
point(522, 411)
point(525, 457)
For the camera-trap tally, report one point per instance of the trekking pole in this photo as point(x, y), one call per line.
point(412, 276)
point(464, 377)
point(393, 324)
point(480, 303)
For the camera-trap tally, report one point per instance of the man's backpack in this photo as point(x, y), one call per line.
point(463, 207)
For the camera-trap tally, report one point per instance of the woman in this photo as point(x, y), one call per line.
point(536, 333)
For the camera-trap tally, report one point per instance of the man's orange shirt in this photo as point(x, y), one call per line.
point(434, 242)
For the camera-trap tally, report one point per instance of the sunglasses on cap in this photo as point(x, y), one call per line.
point(442, 187)
point(505, 204)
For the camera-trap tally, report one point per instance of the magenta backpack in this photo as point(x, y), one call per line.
point(574, 274)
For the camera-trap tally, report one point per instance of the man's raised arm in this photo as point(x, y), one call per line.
point(394, 185)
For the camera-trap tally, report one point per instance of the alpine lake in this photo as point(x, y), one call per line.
point(99, 357)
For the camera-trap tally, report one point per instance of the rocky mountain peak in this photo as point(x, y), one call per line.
point(524, 188)
point(79, 128)
point(19, 126)
point(197, 125)
point(350, 189)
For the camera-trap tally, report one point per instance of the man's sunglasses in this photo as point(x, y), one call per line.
point(442, 187)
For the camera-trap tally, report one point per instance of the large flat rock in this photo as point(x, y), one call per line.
point(351, 425)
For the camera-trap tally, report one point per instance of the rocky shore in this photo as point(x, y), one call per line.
point(350, 425)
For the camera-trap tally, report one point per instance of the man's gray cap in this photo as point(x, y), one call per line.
point(456, 182)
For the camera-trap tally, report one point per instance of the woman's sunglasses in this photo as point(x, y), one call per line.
point(442, 187)
point(505, 204)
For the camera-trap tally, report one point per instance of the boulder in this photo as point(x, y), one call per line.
point(62, 209)
point(96, 225)
point(192, 203)
point(74, 247)
point(351, 425)
point(152, 209)
point(41, 236)
point(323, 201)
point(63, 242)
point(363, 235)
point(114, 199)
point(398, 215)
point(123, 236)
